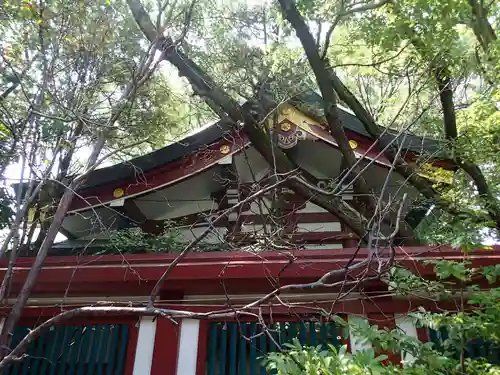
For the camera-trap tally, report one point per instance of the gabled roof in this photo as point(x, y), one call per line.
point(311, 104)
point(160, 157)
point(220, 129)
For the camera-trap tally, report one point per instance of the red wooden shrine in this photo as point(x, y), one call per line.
point(278, 239)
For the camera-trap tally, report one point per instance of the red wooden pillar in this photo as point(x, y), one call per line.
point(166, 348)
point(131, 347)
point(385, 321)
point(422, 334)
point(202, 347)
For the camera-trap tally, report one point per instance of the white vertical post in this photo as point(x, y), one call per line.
point(407, 325)
point(145, 346)
point(188, 347)
point(357, 343)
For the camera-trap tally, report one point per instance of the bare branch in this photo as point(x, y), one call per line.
point(189, 247)
point(323, 79)
point(144, 72)
point(343, 14)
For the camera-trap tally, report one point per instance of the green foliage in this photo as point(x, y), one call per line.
point(312, 361)
point(408, 284)
point(467, 230)
point(476, 320)
point(93, 49)
point(171, 240)
point(6, 211)
point(135, 240)
point(64, 68)
point(491, 273)
point(447, 268)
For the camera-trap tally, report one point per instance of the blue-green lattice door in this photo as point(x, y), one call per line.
point(238, 348)
point(476, 349)
point(74, 350)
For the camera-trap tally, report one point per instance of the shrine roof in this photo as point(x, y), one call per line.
point(159, 157)
point(309, 104)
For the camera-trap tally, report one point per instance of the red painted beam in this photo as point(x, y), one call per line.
point(202, 159)
point(166, 175)
point(223, 257)
point(136, 274)
point(244, 257)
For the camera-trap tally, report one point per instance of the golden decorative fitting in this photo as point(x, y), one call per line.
point(285, 126)
point(31, 214)
point(118, 193)
point(353, 144)
point(286, 111)
point(225, 149)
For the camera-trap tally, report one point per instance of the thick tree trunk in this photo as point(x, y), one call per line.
point(205, 86)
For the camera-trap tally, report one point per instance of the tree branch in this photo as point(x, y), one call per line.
point(443, 80)
point(197, 239)
point(67, 197)
point(484, 32)
point(450, 128)
point(204, 86)
point(340, 15)
point(323, 79)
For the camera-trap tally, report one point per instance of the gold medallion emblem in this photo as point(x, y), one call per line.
point(225, 149)
point(118, 193)
point(285, 126)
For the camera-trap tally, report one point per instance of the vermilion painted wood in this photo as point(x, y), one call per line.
point(132, 346)
point(224, 256)
point(112, 275)
point(203, 265)
point(166, 348)
point(200, 160)
point(202, 272)
point(202, 348)
point(385, 320)
point(422, 334)
point(348, 243)
point(188, 166)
